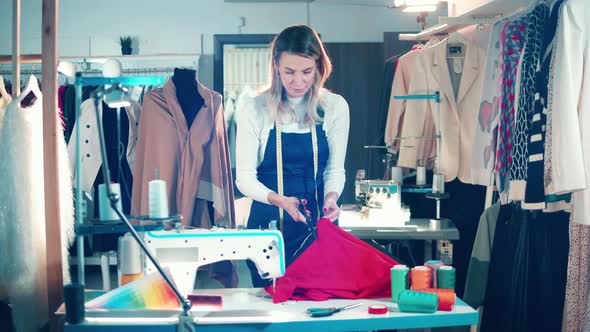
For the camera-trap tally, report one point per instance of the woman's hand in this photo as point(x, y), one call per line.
point(289, 204)
point(331, 209)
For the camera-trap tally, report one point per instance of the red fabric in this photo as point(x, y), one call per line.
point(335, 265)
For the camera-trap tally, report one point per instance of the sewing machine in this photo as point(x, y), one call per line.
point(379, 204)
point(184, 251)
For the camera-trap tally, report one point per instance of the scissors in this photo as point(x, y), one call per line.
point(325, 312)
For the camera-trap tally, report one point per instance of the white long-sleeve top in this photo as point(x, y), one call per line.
point(254, 123)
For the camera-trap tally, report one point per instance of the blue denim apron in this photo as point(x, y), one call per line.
point(298, 181)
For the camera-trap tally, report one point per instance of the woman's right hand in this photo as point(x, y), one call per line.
point(289, 204)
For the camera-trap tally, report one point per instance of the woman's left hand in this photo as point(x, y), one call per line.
point(331, 209)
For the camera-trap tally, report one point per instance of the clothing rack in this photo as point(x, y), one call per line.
point(482, 15)
point(80, 82)
point(146, 71)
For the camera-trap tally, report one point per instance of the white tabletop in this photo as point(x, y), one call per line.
point(246, 309)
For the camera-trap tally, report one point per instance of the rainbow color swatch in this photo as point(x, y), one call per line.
point(149, 292)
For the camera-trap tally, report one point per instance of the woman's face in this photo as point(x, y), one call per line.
point(297, 73)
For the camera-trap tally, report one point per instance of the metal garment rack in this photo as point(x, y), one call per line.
point(438, 179)
point(80, 82)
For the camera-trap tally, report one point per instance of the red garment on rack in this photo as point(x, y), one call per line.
point(335, 265)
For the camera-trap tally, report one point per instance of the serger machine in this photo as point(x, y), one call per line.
point(184, 251)
point(379, 205)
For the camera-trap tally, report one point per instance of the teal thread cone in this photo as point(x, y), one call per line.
point(399, 280)
point(446, 277)
point(421, 302)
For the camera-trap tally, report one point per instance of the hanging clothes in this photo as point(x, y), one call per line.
point(458, 113)
point(570, 148)
point(486, 131)
point(194, 162)
point(528, 254)
point(399, 87)
point(91, 160)
point(5, 99)
point(512, 44)
point(537, 21)
point(477, 274)
point(22, 206)
point(535, 184)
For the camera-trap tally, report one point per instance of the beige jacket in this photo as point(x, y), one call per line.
point(194, 162)
point(458, 116)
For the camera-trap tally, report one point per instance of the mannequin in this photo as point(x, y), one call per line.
point(188, 96)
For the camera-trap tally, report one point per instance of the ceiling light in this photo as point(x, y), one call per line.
point(421, 2)
point(419, 9)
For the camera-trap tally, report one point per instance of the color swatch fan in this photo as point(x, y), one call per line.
point(149, 292)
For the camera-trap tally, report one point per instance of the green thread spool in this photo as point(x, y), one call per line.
point(445, 276)
point(399, 280)
point(421, 302)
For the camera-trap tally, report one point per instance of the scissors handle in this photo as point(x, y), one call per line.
point(323, 312)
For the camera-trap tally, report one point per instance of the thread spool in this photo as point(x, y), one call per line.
point(399, 280)
point(438, 183)
point(377, 309)
point(397, 174)
point(130, 260)
point(74, 301)
point(158, 198)
point(446, 277)
point(105, 212)
point(421, 277)
point(446, 298)
point(434, 265)
point(420, 175)
point(420, 302)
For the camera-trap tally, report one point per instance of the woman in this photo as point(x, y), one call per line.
point(313, 125)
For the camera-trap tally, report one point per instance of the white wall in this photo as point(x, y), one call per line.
point(187, 26)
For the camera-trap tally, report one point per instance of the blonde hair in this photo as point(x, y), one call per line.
point(304, 41)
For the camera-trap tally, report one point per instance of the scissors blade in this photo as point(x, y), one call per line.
point(351, 306)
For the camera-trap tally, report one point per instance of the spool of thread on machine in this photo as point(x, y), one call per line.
point(421, 302)
point(105, 212)
point(158, 199)
point(420, 175)
point(434, 265)
point(446, 298)
point(397, 174)
point(130, 260)
point(445, 277)
point(421, 277)
point(399, 280)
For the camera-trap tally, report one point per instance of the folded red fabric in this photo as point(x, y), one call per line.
point(335, 265)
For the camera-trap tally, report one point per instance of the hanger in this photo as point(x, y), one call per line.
point(31, 92)
point(3, 93)
point(456, 38)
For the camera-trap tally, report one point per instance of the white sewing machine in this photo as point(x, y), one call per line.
point(184, 251)
point(379, 205)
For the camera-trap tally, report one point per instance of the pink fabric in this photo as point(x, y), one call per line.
point(335, 265)
point(194, 162)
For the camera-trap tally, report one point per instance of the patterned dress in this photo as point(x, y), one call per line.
point(512, 39)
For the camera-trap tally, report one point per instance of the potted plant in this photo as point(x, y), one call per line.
point(126, 42)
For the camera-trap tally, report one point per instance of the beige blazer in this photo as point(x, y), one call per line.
point(458, 116)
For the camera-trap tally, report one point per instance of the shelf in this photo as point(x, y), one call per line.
point(485, 14)
point(112, 228)
point(125, 80)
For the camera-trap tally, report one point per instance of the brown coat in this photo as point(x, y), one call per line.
point(194, 162)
